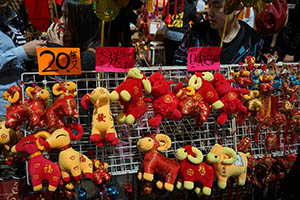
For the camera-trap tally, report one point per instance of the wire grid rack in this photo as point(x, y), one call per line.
point(125, 158)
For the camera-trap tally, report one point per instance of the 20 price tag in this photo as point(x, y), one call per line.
point(204, 58)
point(59, 61)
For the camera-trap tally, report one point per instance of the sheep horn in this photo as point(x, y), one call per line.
point(43, 134)
point(195, 82)
point(199, 156)
point(56, 89)
point(164, 142)
point(15, 98)
point(29, 92)
point(231, 152)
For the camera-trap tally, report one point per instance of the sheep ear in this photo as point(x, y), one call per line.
point(85, 100)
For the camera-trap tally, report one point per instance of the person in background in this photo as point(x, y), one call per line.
point(288, 41)
point(178, 26)
point(240, 39)
point(81, 29)
point(14, 50)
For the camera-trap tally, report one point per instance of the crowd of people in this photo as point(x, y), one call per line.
point(199, 23)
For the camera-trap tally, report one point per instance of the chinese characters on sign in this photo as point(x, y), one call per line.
point(114, 59)
point(204, 58)
point(58, 61)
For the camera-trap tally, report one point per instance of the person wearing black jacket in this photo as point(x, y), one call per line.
point(288, 42)
point(177, 27)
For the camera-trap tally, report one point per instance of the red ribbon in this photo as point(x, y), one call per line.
point(175, 8)
point(156, 8)
point(181, 6)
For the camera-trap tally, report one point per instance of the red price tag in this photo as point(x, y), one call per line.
point(204, 58)
point(58, 61)
point(114, 59)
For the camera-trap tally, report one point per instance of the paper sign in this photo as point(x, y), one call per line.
point(58, 61)
point(204, 58)
point(114, 59)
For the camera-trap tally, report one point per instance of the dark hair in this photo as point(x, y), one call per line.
point(83, 24)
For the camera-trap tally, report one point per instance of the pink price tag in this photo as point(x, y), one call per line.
point(114, 59)
point(204, 58)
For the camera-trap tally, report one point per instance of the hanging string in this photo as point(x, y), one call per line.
point(220, 141)
point(102, 33)
point(168, 8)
point(224, 31)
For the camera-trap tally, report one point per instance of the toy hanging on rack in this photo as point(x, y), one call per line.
point(71, 162)
point(201, 82)
point(164, 102)
point(243, 76)
point(228, 163)
point(130, 96)
point(192, 104)
point(9, 138)
point(64, 105)
point(103, 128)
point(156, 163)
point(39, 167)
point(230, 97)
point(32, 109)
point(194, 172)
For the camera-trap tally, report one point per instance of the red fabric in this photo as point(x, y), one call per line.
point(194, 106)
point(207, 90)
point(39, 167)
point(38, 13)
point(200, 174)
point(230, 98)
point(164, 102)
point(155, 162)
point(136, 106)
point(32, 110)
point(271, 20)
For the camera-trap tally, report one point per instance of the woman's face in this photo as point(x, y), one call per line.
point(64, 18)
point(216, 14)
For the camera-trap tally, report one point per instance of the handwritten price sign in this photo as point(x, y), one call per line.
point(114, 59)
point(58, 61)
point(204, 58)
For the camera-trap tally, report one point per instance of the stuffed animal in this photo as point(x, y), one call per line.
point(32, 110)
point(130, 96)
point(202, 83)
point(64, 105)
point(242, 78)
point(192, 104)
point(9, 138)
point(156, 163)
point(13, 95)
point(194, 171)
point(70, 161)
point(230, 98)
point(165, 103)
point(100, 173)
point(66, 88)
point(228, 163)
point(266, 83)
point(39, 167)
point(253, 103)
point(103, 128)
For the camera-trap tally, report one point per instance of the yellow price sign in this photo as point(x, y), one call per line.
point(58, 61)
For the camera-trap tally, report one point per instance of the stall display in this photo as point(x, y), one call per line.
point(266, 151)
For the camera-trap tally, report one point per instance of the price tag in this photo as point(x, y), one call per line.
point(114, 59)
point(58, 61)
point(203, 58)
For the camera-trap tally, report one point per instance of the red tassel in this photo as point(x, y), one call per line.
point(164, 8)
point(181, 6)
point(168, 9)
point(156, 8)
point(175, 8)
